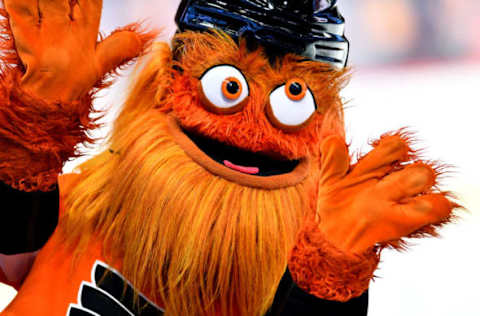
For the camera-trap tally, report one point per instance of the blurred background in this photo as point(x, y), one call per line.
point(415, 64)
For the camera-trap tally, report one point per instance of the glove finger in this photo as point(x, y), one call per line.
point(413, 180)
point(389, 150)
point(335, 160)
point(87, 32)
point(55, 11)
point(88, 13)
point(24, 23)
point(22, 12)
point(24, 20)
point(122, 46)
point(419, 212)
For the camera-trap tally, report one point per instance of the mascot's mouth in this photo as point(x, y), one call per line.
point(241, 160)
point(238, 165)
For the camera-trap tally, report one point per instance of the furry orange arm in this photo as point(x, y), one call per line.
point(361, 209)
point(51, 67)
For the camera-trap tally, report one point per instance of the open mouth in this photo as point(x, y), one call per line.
point(238, 165)
point(241, 160)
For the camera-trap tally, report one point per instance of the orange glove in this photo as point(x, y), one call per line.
point(53, 64)
point(361, 209)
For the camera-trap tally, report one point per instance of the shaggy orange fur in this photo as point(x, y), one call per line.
point(37, 136)
point(250, 128)
point(197, 242)
point(325, 271)
point(211, 245)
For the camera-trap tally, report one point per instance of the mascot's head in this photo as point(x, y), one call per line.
point(214, 158)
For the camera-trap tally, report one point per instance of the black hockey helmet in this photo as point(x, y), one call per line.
point(311, 28)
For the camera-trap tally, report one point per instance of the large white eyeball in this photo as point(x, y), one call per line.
point(223, 89)
point(291, 106)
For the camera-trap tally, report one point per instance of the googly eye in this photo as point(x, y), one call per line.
point(232, 88)
point(223, 89)
point(291, 105)
point(296, 89)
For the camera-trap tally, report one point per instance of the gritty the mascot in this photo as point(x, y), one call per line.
point(227, 187)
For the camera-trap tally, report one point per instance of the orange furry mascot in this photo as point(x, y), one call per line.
point(227, 171)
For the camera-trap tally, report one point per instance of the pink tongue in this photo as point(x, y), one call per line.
point(247, 170)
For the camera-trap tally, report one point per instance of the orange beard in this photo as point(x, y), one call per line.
point(197, 242)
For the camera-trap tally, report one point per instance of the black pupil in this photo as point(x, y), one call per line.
point(233, 87)
point(295, 88)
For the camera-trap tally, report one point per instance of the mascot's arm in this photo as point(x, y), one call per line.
point(51, 65)
point(387, 195)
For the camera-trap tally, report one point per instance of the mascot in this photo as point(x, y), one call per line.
point(227, 188)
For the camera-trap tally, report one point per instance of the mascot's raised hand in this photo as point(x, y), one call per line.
point(374, 201)
point(56, 41)
point(362, 208)
point(52, 61)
